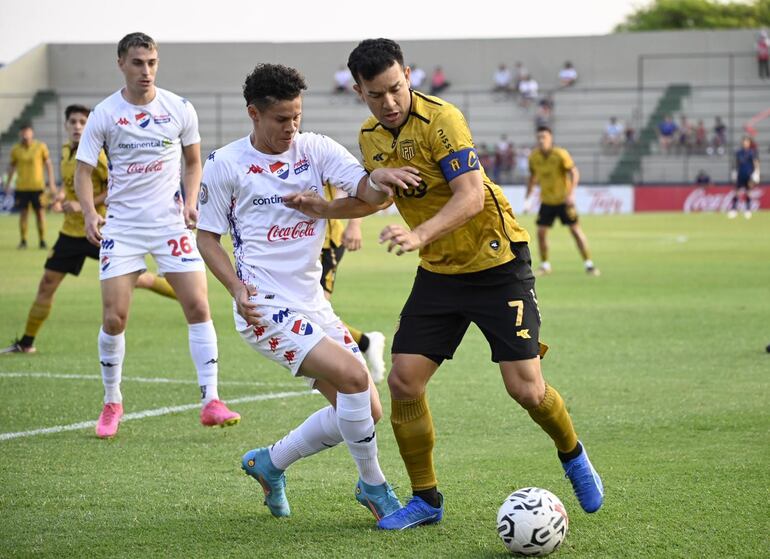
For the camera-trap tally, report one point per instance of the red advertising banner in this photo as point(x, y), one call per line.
point(691, 198)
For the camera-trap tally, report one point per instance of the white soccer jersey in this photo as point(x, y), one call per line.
point(276, 248)
point(144, 149)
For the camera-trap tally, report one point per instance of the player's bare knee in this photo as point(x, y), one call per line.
point(114, 323)
point(353, 379)
point(528, 395)
point(197, 311)
point(400, 386)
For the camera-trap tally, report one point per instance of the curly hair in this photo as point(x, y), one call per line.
point(372, 57)
point(271, 83)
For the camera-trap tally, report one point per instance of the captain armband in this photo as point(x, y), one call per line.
point(459, 162)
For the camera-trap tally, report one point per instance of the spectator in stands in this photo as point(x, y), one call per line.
point(544, 111)
point(487, 159)
point(416, 77)
point(703, 178)
point(503, 79)
point(528, 90)
point(685, 135)
point(614, 135)
point(30, 158)
point(700, 138)
point(520, 72)
point(763, 55)
point(667, 133)
point(719, 139)
point(504, 160)
point(343, 80)
point(630, 135)
point(522, 163)
point(438, 81)
point(568, 75)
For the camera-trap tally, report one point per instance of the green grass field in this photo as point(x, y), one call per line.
point(661, 361)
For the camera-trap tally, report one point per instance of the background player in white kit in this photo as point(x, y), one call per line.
point(279, 306)
point(145, 131)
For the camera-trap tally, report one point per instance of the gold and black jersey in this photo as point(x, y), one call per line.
point(436, 140)
point(334, 227)
point(550, 171)
point(74, 225)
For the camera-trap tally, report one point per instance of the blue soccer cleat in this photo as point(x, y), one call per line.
point(379, 499)
point(258, 465)
point(585, 481)
point(415, 513)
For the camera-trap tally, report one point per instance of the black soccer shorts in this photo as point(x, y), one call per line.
point(69, 254)
point(23, 199)
point(501, 301)
point(565, 212)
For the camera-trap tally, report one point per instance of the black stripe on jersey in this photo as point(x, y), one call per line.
point(428, 99)
point(422, 118)
point(499, 211)
point(372, 129)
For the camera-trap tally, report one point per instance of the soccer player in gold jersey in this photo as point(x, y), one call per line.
point(474, 267)
point(552, 167)
point(29, 158)
point(72, 248)
point(339, 238)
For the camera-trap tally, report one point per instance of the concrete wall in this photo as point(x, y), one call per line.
point(608, 60)
point(19, 82)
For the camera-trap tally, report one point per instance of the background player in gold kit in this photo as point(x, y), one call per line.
point(341, 237)
point(474, 267)
point(553, 169)
point(72, 248)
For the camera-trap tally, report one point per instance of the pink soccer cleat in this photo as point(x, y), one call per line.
point(217, 413)
point(109, 420)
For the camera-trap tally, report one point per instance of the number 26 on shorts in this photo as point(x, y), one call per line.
point(181, 246)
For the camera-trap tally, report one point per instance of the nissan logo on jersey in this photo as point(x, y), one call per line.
point(299, 231)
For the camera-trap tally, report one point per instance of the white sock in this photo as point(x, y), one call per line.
point(545, 265)
point(589, 263)
point(317, 433)
point(354, 417)
point(112, 350)
point(203, 349)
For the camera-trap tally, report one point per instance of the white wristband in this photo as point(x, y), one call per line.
point(374, 186)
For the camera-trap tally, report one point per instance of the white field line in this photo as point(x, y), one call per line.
point(158, 380)
point(147, 413)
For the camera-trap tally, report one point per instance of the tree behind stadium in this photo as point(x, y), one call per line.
point(697, 14)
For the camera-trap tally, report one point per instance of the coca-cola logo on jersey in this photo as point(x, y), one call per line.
point(701, 201)
point(135, 168)
point(300, 230)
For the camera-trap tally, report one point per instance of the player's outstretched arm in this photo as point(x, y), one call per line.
point(215, 256)
point(84, 189)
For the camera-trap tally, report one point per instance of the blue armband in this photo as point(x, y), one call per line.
point(459, 162)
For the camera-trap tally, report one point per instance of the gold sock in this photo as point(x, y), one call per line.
point(554, 419)
point(161, 286)
point(357, 334)
point(37, 315)
point(413, 427)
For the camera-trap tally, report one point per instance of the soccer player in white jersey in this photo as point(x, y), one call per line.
point(145, 132)
point(279, 306)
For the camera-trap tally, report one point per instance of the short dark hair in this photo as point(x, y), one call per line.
point(270, 83)
point(545, 128)
point(135, 40)
point(76, 109)
point(372, 57)
point(25, 125)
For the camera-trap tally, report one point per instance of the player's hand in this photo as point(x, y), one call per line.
point(755, 177)
point(71, 206)
point(388, 179)
point(56, 207)
point(94, 223)
point(527, 207)
point(351, 237)
point(401, 239)
point(244, 304)
point(190, 214)
point(309, 203)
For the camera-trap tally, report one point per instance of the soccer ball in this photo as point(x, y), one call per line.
point(532, 522)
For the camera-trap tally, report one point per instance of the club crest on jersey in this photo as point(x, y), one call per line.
point(142, 119)
point(301, 166)
point(302, 328)
point(280, 169)
point(406, 148)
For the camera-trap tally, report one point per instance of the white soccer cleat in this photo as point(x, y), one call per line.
point(747, 214)
point(732, 214)
point(375, 355)
point(543, 270)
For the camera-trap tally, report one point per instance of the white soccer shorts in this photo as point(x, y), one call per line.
point(287, 336)
point(123, 250)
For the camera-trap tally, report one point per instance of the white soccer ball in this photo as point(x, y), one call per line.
point(532, 522)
